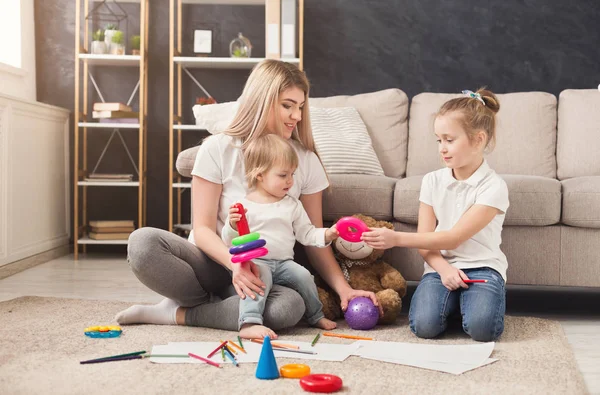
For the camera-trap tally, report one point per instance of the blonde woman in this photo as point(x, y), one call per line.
point(200, 284)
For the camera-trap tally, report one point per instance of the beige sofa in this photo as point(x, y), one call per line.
point(548, 152)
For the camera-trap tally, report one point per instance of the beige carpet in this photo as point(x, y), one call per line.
point(42, 342)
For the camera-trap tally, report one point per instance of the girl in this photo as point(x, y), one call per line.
point(200, 285)
point(468, 201)
point(280, 219)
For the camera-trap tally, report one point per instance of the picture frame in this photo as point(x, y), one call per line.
point(203, 41)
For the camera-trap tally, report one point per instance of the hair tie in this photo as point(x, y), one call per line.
point(473, 95)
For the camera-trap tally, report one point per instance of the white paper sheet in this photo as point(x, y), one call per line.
point(324, 352)
point(453, 368)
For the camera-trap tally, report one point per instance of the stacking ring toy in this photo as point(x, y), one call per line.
point(247, 247)
point(243, 239)
point(103, 331)
point(249, 255)
point(321, 383)
point(351, 228)
point(294, 370)
point(242, 225)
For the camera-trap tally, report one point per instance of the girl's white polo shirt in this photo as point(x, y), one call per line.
point(451, 198)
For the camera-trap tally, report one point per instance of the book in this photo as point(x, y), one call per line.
point(109, 236)
point(111, 107)
point(119, 120)
point(288, 29)
point(273, 31)
point(115, 114)
point(110, 175)
point(115, 223)
point(113, 229)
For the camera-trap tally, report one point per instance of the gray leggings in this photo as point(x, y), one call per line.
point(175, 268)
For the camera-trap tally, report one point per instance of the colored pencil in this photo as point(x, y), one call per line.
point(216, 349)
point(228, 352)
point(208, 361)
point(236, 346)
point(240, 341)
point(275, 344)
point(112, 359)
point(114, 356)
point(228, 355)
point(315, 340)
point(230, 349)
point(290, 350)
point(223, 354)
point(474, 281)
point(346, 336)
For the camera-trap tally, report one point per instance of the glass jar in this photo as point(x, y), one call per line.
point(240, 47)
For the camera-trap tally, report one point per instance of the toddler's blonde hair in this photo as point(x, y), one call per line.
point(265, 152)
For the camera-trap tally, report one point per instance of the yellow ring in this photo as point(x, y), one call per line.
point(294, 370)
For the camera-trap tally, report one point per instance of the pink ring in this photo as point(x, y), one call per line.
point(249, 255)
point(345, 225)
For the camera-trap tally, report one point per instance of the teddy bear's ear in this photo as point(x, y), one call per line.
point(369, 221)
point(384, 224)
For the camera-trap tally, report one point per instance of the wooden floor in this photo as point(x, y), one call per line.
point(109, 278)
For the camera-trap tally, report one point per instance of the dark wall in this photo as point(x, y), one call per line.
point(350, 46)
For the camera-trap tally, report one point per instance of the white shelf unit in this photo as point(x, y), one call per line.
point(83, 62)
point(179, 63)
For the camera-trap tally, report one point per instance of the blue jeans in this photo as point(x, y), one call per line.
point(481, 306)
point(289, 274)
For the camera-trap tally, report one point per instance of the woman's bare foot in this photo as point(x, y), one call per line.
point(324, 323)
point(255, 331)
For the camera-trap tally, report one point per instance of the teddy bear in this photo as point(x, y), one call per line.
point(363, 269)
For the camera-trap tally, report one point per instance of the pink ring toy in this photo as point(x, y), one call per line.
point(249, 255)
point(345, 225)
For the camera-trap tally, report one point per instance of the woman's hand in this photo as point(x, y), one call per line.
point(380, 238)
point(347, 296)
point(452, 278)
point(246, 280)
point(234, 216)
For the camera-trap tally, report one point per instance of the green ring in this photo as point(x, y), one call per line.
point(245, 238)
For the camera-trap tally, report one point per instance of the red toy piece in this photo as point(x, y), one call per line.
point(321, 383)
point(242, 226)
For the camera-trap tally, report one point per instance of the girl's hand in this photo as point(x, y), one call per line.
point(246, 280)
point(452, 278)
point(331, 234)
point(347, 296)
point(234, 216)
point(380, 238)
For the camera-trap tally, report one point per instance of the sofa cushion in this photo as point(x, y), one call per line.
point(385, 115)
point(185, 161)
point(534, 201)
point(358, 193)
point(581, 199)
point(525, 141)
point(343, 142)
point(578, 130)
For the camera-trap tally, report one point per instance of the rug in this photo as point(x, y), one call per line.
point(42, 342)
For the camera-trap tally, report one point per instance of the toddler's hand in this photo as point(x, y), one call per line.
point(331, 234)
point(234, 216)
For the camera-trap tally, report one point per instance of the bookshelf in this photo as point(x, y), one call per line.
point(180, 64)
point(85, 64)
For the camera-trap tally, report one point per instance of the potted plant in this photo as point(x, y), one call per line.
point(116, 46)
point(109, 30)
point(98, 44)
point(135, 44)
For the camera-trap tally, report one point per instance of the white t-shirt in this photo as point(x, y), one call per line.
point(451, 198)
point(280, 224)
point(220, 160)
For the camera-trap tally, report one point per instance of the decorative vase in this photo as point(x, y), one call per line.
point(240, 47)
point(117, 49)
point(99, 47)
point(108, 34)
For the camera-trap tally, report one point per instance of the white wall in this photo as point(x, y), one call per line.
point(34, 178)
point(20, 82)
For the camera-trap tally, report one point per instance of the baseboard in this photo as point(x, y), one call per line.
point(29, 262)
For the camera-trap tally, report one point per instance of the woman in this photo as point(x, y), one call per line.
point(190, 274)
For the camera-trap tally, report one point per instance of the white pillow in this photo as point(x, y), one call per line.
point(215, 117)
point(343, 142)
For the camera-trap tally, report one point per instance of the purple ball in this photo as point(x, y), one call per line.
point(361, 314)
